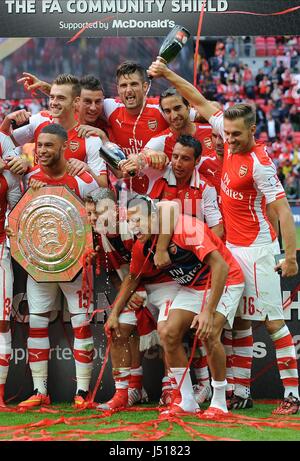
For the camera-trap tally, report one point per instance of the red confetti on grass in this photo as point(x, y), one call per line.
point(146, 430)
point(47, 410)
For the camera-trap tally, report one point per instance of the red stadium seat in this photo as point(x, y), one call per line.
point(260, 46)
point(271, 46)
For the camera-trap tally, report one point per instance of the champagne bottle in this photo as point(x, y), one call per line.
point(173, 43)
point(112, 154)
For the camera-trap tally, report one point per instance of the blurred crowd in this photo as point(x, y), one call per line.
point(48, 57)
point(225, 75)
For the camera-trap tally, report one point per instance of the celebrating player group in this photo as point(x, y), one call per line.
point(187, 222)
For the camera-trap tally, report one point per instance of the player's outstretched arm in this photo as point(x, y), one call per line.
point(32, 83)
point(272, 216)
point(168, 217)
point(147, 158)
point(187, 90)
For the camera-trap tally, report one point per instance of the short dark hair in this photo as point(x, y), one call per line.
point(89, 82)
point(100, 194)
point(136, 199)
point(241, 110)
point(69, 79)
point(128, 68)
point(189, 141)
point(56, 129)
point(172, 92)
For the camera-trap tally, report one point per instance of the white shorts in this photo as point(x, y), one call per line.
point(159, 300)
point(127, 315)
point(44, 297)
point(191, 300)
point(262, 294)
point(6, 283)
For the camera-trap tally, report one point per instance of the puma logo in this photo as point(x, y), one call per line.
point(35, 354)
point(285, 363)
point(211, 172)
point(85, 354)
point(4, 359)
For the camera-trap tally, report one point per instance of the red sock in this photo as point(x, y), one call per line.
point(136, 378)
point(242, 344)
point(286, 361)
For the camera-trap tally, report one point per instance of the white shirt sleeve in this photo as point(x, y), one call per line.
point(109, 106)
point(8, 148)
point(86, 188)
point(217, 123)
point(211, 211)
point(24, 134)
point(93, 159)
point(14, 190)
point(157, 143)
point(266, 180)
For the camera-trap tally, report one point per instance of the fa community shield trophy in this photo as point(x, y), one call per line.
point(51, 234)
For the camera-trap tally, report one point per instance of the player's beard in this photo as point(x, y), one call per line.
point(56, 158)
point(178, 124)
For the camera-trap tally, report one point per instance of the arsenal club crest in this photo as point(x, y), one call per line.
point(152, 125)
point(74, 146)
point(243, 171)
point(207, 142)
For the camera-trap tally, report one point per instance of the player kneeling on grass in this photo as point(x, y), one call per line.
point(200, 264)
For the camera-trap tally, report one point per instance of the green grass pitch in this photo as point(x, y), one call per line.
point(63, 423)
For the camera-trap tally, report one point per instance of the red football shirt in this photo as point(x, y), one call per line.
point(249, 182)
point(84, 149)
point(166, 140)
point(82, 184)
point(132, 135)
point(191, 242)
